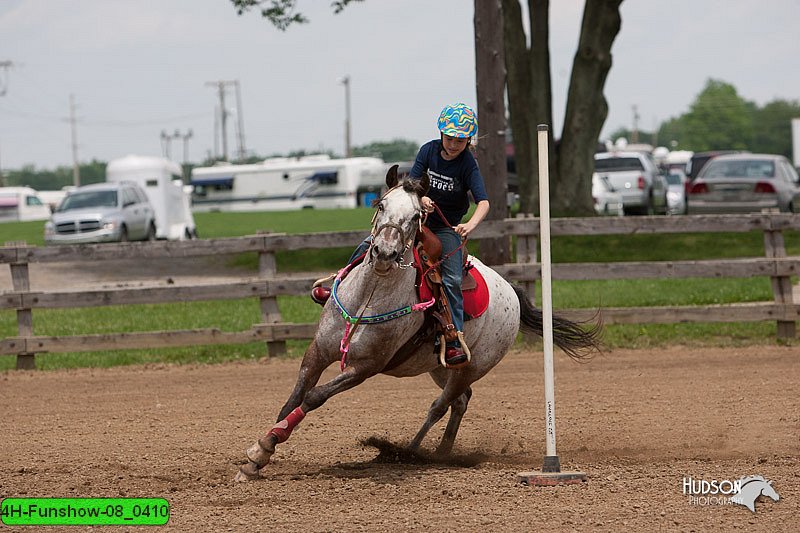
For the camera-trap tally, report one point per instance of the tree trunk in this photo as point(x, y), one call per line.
point(529, 92)
point(519, 102)
point(491, 77)
point(586, 108)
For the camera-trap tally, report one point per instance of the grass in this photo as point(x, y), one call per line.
point(241, 314)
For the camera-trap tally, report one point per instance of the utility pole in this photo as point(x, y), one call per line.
point(76, 171)
point(5, 65)
point(635, 131)
point(240, 122)
point(223, 114)
point(186, 137)
point(348, 152)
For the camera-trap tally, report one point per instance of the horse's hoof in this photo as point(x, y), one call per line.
point(248, 472)
point(258, 454)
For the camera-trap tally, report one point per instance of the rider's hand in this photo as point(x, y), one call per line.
point(463, 230)
point(427, 204)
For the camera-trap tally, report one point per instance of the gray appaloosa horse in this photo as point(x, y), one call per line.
point(363, 327)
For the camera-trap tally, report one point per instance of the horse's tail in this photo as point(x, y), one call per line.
point(578, 342)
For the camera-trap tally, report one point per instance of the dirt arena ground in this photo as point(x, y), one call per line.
point(636, 422)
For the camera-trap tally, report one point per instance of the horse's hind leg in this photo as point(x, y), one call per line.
point(455, 387)
point(457, 409)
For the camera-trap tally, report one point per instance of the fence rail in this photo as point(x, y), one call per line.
point(268, 284)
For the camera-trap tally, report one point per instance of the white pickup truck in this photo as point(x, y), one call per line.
point(635, 176)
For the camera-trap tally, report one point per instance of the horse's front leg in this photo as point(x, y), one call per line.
point(259, 454)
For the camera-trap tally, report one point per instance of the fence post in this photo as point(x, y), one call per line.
point(774, 248)
point(527, 249)
point(270, 314)
point(21, 282)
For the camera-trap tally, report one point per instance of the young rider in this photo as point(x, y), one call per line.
point(453, 173)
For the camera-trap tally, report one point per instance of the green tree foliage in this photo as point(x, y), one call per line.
point(772, 127)
point(720, 119)
point(390, 151)
point(52, 180)
point(282, 13)
point(645, 137)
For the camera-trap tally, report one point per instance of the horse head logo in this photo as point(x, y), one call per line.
point(751, 488)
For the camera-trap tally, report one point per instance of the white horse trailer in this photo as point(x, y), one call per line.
point(20, 204)
point(280, 184)
point(161, 180)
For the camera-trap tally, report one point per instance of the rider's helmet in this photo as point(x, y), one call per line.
point(458, 120)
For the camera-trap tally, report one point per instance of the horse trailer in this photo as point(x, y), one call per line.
point(20, 204)
point(282, 183)
point(161, 180)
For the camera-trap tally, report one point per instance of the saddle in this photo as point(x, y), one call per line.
point(427, 253)
point(438, 321)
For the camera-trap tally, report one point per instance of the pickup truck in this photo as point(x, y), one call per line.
point(635, 176)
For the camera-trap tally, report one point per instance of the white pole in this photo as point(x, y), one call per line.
point(547, 290)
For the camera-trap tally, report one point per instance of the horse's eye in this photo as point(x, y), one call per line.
point(380, 207)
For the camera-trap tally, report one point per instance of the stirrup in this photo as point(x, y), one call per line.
point(324, 281)
point(443, 350)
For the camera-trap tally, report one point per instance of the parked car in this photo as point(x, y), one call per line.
point(636, 177)
point(607, 200)
point(745, 183)
point(102, 212)
point(699, 159)
point(676, 192)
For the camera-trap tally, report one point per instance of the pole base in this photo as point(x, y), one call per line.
point(551, 474)
point(549, 479)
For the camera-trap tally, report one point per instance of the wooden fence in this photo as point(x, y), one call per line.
point(269, 284)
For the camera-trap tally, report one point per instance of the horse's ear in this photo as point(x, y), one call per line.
point(424, 183)
point(391, 176)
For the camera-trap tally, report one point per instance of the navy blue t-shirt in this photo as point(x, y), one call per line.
point(449, 182)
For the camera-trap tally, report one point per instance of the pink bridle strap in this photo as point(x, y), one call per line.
point(423, 305)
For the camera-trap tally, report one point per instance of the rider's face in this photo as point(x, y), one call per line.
point(453, 146)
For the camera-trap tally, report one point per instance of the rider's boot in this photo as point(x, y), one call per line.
point(320, 293)
point(454, 354)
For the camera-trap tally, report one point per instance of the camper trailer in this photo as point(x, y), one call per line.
point(288, 183)
point(21, 203)
point(161, 180)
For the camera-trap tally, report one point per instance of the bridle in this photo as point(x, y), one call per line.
point(351, 322)
point(407, 239)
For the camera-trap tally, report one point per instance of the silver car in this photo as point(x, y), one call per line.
point(102, 212)
point(745, 183)
point(676, 192)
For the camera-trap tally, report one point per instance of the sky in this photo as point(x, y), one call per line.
point(139, 68)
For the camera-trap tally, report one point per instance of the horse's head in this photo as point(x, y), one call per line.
point(398, 217)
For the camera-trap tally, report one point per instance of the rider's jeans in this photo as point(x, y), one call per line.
point(452, 271)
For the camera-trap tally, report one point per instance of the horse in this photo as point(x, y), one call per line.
point(751, 488)
point(368, 346)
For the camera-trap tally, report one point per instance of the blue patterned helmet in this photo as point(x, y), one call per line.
point(458, 120)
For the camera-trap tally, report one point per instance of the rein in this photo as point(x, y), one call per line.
point(441, 260)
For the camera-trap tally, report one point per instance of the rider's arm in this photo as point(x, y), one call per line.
point(480, 213)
